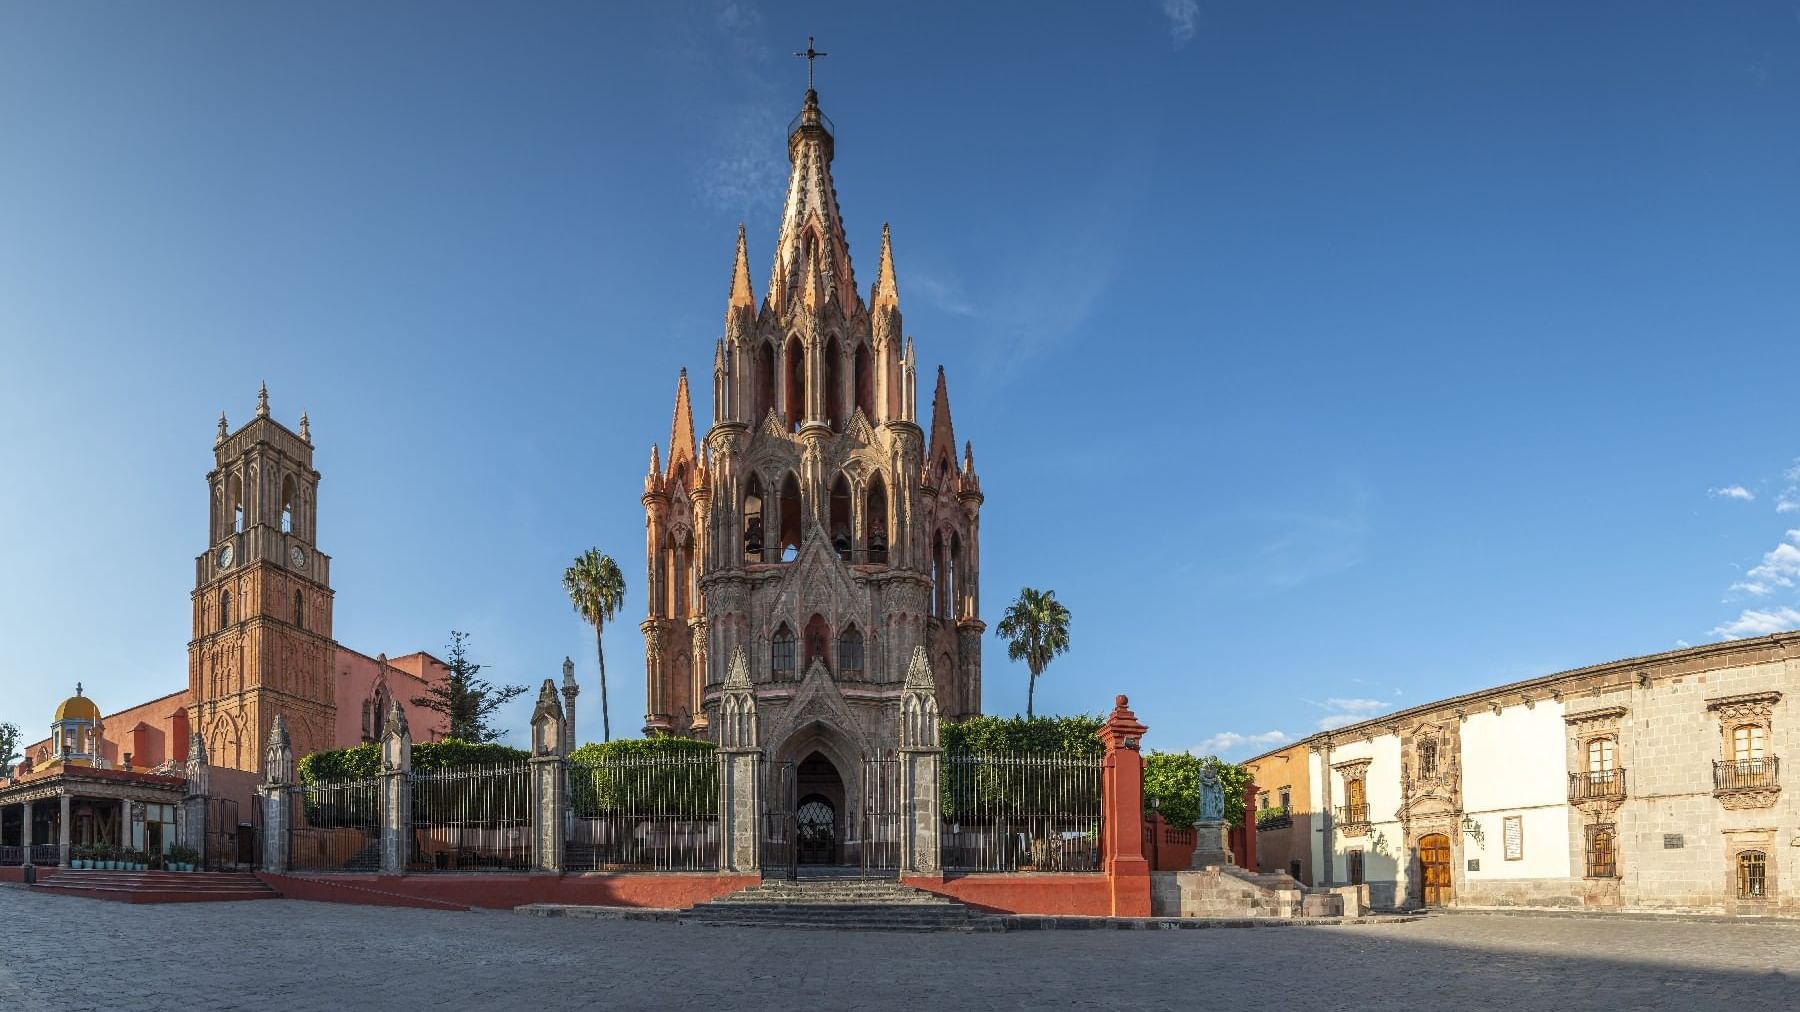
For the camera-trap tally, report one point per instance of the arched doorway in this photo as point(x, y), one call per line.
point(821, 815)
point(1434, 869)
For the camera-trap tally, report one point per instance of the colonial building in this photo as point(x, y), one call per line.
point(1652, 783)
point(261, 639)
point(817, 527)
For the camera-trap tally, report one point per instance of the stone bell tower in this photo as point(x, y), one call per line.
point(262, 641)
point(816, 527)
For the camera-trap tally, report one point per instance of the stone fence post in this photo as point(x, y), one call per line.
point(549, 781)
point(1250, 827)
point(921, 818)
point(192, 830)
point(274, 794)
point(1122, 802)
point(740, 775)
point(396, 792)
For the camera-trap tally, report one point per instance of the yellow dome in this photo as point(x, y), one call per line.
point(78, 707)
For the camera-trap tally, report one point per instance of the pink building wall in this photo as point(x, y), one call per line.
point(364, 692)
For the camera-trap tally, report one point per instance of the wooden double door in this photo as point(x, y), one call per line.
point(1434, 869)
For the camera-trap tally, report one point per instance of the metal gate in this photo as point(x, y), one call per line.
point(877, 832)
point(779, 856)
point(219, 850)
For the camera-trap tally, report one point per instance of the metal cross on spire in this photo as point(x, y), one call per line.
point(812, 53)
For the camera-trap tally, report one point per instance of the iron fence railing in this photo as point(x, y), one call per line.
point(473, 818)
point(778, 851)
point(649, 813)
point(1597, 785)
point(47, 854)
point(876, 838)
point(1743, 774)
point(336, 826)
point(10, 856)
point(1021, 812)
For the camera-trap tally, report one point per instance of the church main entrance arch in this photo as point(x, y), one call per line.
point(820, 816)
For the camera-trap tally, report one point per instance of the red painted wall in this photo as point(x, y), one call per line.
point(1089, 895)
point(507, 891)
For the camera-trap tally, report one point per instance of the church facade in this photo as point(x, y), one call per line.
point(817, 527)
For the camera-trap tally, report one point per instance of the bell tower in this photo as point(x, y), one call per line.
point(262, 641)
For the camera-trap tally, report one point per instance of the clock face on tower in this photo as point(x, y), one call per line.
point(298, 556)
point(225, 557)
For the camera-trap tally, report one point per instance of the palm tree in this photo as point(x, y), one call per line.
point(1036, 629)
point(597, 589)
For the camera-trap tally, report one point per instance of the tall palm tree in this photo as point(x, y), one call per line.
point(597, 589)
point(1036, 629)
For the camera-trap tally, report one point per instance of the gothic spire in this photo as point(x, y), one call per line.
point(262, 402)
point(220, 440)
point(885, 294)
point(305, 430)
point(741, 296)
point(812, 228)
point(681, 430)
point(942, 451)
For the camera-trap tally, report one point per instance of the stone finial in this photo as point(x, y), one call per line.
point(547, 722)
point(737, 675)
point(219, 440)
point(569, 685)
point(262, 401)
point(737, 705)
point(396, 741)
point(918, 671)
point(396, 722)
point(1122, 730)
point(305, 430)
point(198, 776)
point(197, 748)
point(278, 758)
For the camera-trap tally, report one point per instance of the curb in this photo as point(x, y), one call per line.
point(598, 913)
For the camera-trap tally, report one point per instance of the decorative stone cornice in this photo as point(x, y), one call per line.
point(1741, 798)
point(1745, 706)
point(1605, 713)
point(1350, 769)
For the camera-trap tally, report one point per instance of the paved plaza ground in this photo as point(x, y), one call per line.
point(64, 954)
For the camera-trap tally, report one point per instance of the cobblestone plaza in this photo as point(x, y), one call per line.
point(66, 953)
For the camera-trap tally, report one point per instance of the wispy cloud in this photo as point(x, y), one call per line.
point(746, 171)
point(1779, 568)
point(1184, 20)
point(1355, 705)
point(1789, 499)
point(1732, 492)
point(1316, 544)
point(1231, 741)
point(942, 294)
point(1759, 623)
point(1341, 711)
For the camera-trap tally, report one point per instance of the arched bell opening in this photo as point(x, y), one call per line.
point(796, 384)
point(840, 518)
point(790, 518)
point(753, 521)
point(877, 521)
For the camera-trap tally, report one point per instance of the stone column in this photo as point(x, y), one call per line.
point(124, 823)
point(25, 831)
point(570, 689)
point(396, 793)
point(1122, 798)
point(62, 831)
point(921, 819)
point(274, 796)
point(1250, 827)
point(740, 783)
point(549, 792)
point(193, 807)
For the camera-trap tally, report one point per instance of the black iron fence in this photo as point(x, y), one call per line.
point(779, 851)
point(335, 826)
point(1021, 812)
point(11, 856)
point(47, 854)
point(472, 818)
point(219, 850)
point(1744, 774)
point(876, 835)
point(644, 813)
point(1597, 785)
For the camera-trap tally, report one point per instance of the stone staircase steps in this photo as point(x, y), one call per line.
point(841, 905)
point(157, 886)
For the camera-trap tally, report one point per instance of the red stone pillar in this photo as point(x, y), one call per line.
point(1122, 801)
point(1250, 827)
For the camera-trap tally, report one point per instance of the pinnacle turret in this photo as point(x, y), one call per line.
point(885, 294)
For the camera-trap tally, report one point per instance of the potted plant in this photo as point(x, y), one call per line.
point(78, 858)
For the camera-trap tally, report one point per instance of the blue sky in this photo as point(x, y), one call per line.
point(1324, 358)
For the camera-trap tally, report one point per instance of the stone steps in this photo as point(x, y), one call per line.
point(842, 905)
point(157, 886)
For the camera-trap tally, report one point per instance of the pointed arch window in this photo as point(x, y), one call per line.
point(937, 574)
point(876, 518)
point(762, 397)
point(850, 653)
point(840, 518)
point(224, 608)
point(234, 503)
point(818, 637)
point(864, 378)
point(781, 654)
point(955, 575)
point(753, 521)
point(790, 518)
point(834, 382)
point(300, 609)
point(287, 504)
point(796, 383)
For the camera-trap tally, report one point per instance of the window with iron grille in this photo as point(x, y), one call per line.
point(1753, 875)
point(1356, 867)
point(850, 653)
point(1428, 758)
point(1602, 852)
point(781, 653)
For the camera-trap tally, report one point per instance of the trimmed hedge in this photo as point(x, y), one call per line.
point(1172, 780)
point(673, 777)
point(1075, 735)
point(364, 761)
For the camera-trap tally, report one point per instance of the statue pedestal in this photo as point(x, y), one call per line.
point(1212, 845)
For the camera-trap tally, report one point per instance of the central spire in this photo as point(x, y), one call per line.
point(812, 244)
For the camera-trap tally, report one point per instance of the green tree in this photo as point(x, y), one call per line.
point(465, 699)
point(9, 746)
point(597, 589)
point(1036, 629)
point(1172, 786)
